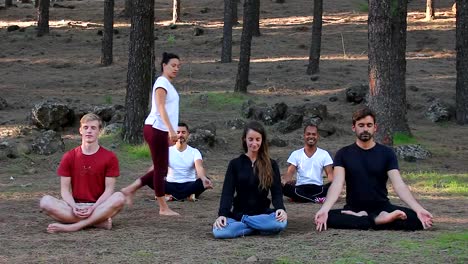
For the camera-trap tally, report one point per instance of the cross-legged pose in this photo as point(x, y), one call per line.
point(87, 179)
point(366, 166)
point(308, 162)
point(159, 132)
point(186, 177)
point(244, 207)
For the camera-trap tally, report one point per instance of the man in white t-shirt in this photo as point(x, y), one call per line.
point(186, 177)
point(308, 163)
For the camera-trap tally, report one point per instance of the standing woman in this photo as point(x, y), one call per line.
point(159, 132)
point(249, 178)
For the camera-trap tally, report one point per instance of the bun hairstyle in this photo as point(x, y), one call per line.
point(166, 57)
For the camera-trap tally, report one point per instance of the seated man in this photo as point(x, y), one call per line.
point(87, 179)
point(186, 177)
point(309, 162)
point(366, 167)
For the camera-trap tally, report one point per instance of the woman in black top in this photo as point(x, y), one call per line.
point(245, 207)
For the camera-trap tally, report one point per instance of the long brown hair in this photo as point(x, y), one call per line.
point(263, 164)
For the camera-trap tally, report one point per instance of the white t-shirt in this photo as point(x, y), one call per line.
point(309, 170)
point(182, 164)
point(172, 106)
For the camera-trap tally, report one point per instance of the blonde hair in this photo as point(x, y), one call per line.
point(91, 117)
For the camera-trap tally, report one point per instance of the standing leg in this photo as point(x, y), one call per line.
point(266, 223)
point(232, 229)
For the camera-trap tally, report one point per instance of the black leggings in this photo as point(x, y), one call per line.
point(181, 191)
point(338, 220)
point(305, 193)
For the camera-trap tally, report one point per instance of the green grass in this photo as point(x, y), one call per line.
point(403, 139)
point(456, 184)
point(107, 99)
point(137, 151)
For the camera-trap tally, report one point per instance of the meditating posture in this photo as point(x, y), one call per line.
point(87, 178)
point(366, 166)
point(308, 163)
point(245, 207)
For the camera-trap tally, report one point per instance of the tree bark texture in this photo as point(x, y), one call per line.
point(430, 13)
point(108, 33)
point(43, 18)
point(128, 9)
point(462, 62)
point(387, 67)
point(176, 11)
point(8, 3)
point(242, 79)
point(226, 50)
point(235, 17)
point(256, 26)
point(139, 76)
point(316, 41)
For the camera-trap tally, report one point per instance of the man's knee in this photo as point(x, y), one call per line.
point(46, 202)
point(118, 200)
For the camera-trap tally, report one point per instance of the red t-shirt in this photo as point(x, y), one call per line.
point(88, 172)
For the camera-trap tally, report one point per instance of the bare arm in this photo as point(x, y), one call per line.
point(108, 191)
point(329, 172)
point(201, 173)
point(289, 174)
point(333, 193)
point(66, 192)
point(405, 195)
point(160, 98)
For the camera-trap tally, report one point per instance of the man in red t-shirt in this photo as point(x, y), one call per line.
point(87, 179)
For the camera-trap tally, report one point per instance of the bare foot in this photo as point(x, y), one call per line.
point(57, 227)
point(107, 224)
point(385, 218)
point(349, 212)
point(128, 196)
point(168, 212)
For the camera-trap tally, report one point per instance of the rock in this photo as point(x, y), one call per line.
point(198, 31)
point(326, 130)
point(438, 112)
point(272, 114)
point(413, 88)
point(204, 10)
point(412, 152)
point(13, 28)
point(48, 142)
point(115, 128)
point(172, 26)
point(7, 150)
point(203, 99)
point(333, 98)
point(252, 259)
point(235, 124)
point(277, 142)
point(3, 103)
point(246, 109)
point(99, 33)
point(51, 115)
point(357, 93)
point(291, 123)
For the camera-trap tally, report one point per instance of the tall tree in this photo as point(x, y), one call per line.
point(43, 18)
point(256, 27)
point(127, 12)
point(387, 66)
point(235, 17)
point(8, 3)
point(316, 41)
point(107, 38)
point(430, 13)
point(139, 75)
point(242, 79)
point(226, 50)
point(176, 11)
point(462, 62)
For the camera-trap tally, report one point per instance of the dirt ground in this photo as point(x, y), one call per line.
point(64, 66)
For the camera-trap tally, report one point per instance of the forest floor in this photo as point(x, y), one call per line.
point(64, 66)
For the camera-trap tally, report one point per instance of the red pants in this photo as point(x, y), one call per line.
point(159, 146)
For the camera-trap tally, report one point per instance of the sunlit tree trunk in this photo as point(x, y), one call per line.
point(242, 79)
point(226, 51)
point(462, 62)
point(316, 42)
point(107, 38)
point(176, 11)
point(430, 14)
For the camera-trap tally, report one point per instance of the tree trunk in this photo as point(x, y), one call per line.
point(8, 3)
point(242, 79)
point(43, 18)
point(139, 74)
point(176, 11)
point(235, 17)
point(226, 51)
point(430, 14)
point(36, 3)
point(316, 42)
point(256, 25)
point(107, 38)
point(128, 9)
point(387, 67)
point(462, 62)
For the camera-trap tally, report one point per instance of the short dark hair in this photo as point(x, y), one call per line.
point(166, 57)
point(310, 125)
point(182, 124)
point(362, 113)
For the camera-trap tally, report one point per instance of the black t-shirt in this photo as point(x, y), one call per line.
point(249, 198)
point(366, 173)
